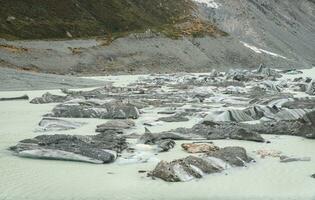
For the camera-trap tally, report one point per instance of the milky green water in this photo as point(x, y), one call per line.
point(22, 178)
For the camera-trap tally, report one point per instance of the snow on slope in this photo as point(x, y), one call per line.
point(209, 3)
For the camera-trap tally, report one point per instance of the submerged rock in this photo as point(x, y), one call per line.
point(101, 148)
point(49, 98)
point(54, 124)
point(199, 148)
point(193, 167)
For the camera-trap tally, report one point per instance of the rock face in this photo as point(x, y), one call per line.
point(193, 167)
point(199, 148)
point(90, 109)
point(102, 148)
point(49, 98)
point(54, 124)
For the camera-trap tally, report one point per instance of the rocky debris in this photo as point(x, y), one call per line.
point(268, 153)
point(54, 124)
point(49, 98)
point(24, 97)
point(94, 109)
point(115, 125)
point(199, 148)
point(98, 149)
point(311, 88)
point(174, 118)
point(286, 159)
point(193, 167)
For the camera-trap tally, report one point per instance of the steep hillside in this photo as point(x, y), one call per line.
point(283, 27)
point(43, 19)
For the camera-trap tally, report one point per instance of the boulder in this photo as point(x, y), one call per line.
point(101, 148)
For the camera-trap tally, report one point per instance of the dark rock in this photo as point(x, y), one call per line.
point(313, 176)
point(101, 148)
point(49, 98)
point(24, 97)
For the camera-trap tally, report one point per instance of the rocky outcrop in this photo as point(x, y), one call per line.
point(98, 149)
point(193, 167)
point(49, 98)
point(55, 124)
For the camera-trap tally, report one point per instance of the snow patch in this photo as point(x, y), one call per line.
point(258, 50)
point(209, 3)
